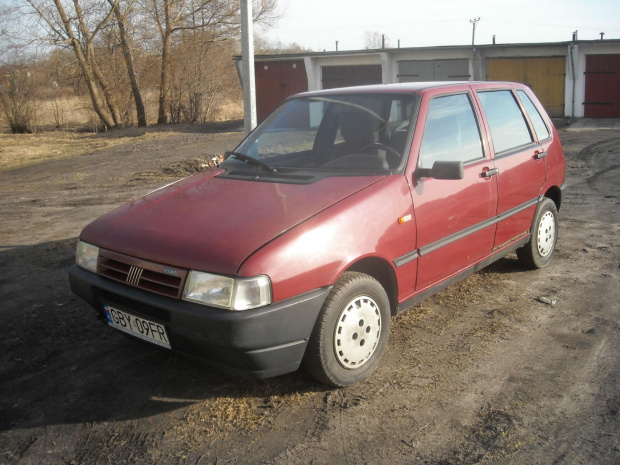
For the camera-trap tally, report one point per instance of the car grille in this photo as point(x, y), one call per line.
point(132, 306)
point(150, 276)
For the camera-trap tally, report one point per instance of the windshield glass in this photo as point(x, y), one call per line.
point(343, 133)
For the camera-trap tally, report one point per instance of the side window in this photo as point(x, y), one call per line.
point(507, 123)
point(451, 132)
point(539, 125)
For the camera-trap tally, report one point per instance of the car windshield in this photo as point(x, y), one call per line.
point(353, 134)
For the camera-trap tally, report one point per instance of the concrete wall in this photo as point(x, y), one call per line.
point(389, 58)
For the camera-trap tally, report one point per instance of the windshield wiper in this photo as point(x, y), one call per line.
point(249, 159)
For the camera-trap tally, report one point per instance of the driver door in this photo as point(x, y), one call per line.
point(455, 218)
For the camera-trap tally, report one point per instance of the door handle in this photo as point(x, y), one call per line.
point(539, 155)
point(489, 173)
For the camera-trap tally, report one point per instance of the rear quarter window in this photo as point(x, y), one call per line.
point(506, 122)
point(542, 132)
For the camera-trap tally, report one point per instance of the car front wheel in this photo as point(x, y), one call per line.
point(351, 331)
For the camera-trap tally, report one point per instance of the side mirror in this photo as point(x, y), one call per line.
point(442, 170)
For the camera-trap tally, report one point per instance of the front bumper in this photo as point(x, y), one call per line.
point(258, 343)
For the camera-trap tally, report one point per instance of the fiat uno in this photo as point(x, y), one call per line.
point(342, 209)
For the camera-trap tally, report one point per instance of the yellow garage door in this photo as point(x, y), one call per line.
point(545, 76)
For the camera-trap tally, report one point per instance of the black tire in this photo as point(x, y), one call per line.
point(351, 332)
point(538, 251)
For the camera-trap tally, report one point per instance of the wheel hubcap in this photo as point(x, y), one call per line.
point(546, 234)
point(357, 332)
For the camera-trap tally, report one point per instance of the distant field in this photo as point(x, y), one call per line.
point(72, 112)
point(68, 127)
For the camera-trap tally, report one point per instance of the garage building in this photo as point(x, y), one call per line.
point(572, 79)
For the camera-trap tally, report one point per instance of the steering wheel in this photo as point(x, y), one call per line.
point(379, 145)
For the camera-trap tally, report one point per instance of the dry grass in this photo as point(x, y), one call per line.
point(226, 111)
point(65, 113)
point(241, 410)
point(69, 113)
point(19, 150)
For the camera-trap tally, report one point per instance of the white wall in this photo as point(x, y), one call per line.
point(388, 59)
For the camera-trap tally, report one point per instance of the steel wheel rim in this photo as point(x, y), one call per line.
point(546, 234)
point(357, 332)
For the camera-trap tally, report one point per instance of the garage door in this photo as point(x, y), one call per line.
point(433, 70)
point(545, 76)
point(275, 81)
point(345, 76)
point(602, 86)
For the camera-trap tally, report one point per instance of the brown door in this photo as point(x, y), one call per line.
point(544, 75)
point(275, 81)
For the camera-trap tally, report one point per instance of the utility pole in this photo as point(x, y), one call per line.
point(473, 33)
point(602, 34)
point(247, 61)
point(473, 49)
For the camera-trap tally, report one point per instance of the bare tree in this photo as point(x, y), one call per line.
point(18, 99)
point(77, 26)
point(375, 40)
point(171, 45)
point(122, 21)
point(219, 18)
point(202, 68)
point(264, 46)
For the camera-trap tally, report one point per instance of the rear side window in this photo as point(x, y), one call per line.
point(451, 132)
point(539, 125)
point(507, 123)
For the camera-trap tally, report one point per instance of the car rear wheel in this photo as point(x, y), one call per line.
point(351, 331)
point(538, 251)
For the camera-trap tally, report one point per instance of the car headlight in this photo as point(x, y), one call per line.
point(86, 256)
point(225, 292)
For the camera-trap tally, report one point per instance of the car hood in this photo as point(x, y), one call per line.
point(213, 224)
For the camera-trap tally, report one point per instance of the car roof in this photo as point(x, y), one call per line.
point(404, 88)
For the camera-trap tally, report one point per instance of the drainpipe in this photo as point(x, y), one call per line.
point(572, 65)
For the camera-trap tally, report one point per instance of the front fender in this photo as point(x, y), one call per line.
point(315, 253)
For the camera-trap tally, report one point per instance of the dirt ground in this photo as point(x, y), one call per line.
point(485, 372)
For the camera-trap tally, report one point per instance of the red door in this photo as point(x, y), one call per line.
point(521, 172)
point(455, 218)
point(602, 98)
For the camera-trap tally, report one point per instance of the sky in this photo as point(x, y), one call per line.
point(318, 24)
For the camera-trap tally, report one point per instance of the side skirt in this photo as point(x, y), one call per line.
point(405, 305)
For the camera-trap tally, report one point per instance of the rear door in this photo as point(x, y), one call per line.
point(519, 159)
point(455, 218)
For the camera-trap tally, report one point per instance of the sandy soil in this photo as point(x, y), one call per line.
point(484, 372)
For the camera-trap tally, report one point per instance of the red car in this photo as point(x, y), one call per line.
point(343, 208)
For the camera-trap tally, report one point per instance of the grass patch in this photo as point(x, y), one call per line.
point(19, 150)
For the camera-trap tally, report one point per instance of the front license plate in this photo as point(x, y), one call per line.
point(136, 326)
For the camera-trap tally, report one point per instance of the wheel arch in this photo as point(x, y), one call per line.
point(380, 270)
point(555, 194)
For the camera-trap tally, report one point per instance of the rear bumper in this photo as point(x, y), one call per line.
point(258, 343)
